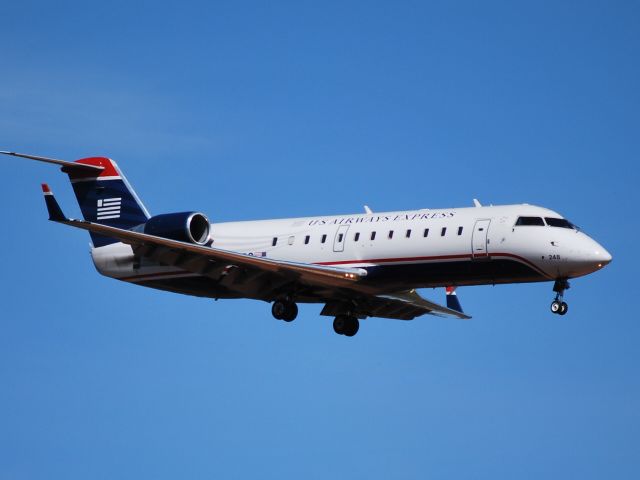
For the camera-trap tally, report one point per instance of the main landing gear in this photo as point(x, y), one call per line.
point(347, 325)
point(558, 306)
point(284, 310)
point(287, 310)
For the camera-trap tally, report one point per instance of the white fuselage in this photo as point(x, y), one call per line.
point(400, 250)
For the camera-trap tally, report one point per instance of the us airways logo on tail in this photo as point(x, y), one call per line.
point(109, 208)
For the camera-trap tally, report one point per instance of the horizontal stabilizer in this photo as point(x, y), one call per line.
point(67, 167)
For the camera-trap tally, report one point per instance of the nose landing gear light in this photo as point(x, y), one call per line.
point(558, 306)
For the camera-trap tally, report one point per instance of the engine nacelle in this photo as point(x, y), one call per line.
point(192, 227)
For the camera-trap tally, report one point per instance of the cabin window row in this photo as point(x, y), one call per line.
point(356, 236)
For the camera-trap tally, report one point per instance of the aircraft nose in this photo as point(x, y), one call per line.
point(602, 257)
point(597, 254)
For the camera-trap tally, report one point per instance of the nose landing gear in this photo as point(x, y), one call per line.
point(558, 306)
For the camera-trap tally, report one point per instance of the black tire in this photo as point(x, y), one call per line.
point(352, 327)
point(564, 308)
point(555, 306)
point(339, 324)
point(278, 309)
point(291, 312)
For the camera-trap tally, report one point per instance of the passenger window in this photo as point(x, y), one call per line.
point(443, 231)
point(274, 241)
point(356, 237)
point(426, 233)
point(529, 222)
point(408, 235)
point(324, 239)
point(306, 240)
point(559, 222)
point(390, 234)
point(291, 240)
point(459, 230)
point(373, 235)
point(340, 237)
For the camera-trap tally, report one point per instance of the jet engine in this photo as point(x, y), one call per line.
point(192, 227)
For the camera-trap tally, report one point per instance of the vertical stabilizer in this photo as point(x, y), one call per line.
point(106, 197)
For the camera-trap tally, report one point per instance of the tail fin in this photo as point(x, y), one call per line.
point(106, 197)
point(103, 193)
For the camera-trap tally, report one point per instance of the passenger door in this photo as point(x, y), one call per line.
point(480, 239)
point(340, 238)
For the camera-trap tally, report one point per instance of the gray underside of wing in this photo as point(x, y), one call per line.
point(400, 306)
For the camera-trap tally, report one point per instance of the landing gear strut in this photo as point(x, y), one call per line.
point(558, 306)
point(284, 310)
point(346, 325)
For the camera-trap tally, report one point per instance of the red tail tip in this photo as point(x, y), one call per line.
point(45, 188)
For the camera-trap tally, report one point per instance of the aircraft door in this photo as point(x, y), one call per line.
point(480, 239)
point(341, 237)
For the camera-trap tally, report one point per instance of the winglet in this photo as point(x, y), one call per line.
point(55, 212)
point(452, 300)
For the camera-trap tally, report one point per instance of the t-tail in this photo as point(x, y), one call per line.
point(103, 193)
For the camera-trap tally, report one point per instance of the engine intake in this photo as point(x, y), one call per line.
point(192, 227)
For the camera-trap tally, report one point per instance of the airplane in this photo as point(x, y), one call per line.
point(358, 265)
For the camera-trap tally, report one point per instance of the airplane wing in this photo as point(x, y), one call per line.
point(208, 261)
point(267, 275)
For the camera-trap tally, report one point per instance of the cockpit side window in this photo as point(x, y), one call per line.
point(559, 222)
point(529, 221)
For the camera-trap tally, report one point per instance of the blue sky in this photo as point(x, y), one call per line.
point(248, 110)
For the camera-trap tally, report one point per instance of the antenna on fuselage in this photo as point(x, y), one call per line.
point(367, 210)
point(476, 202)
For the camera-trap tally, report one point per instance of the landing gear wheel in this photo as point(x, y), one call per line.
point(352, 327)
point(339, 324)
point(278, 309)
point(291, 312)
point(558, 306)
point(284, 310)
point(346, 325)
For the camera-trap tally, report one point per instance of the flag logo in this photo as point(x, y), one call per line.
point(109, 208)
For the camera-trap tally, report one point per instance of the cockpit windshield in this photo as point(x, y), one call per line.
point(560, 222)
point(529, 221)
